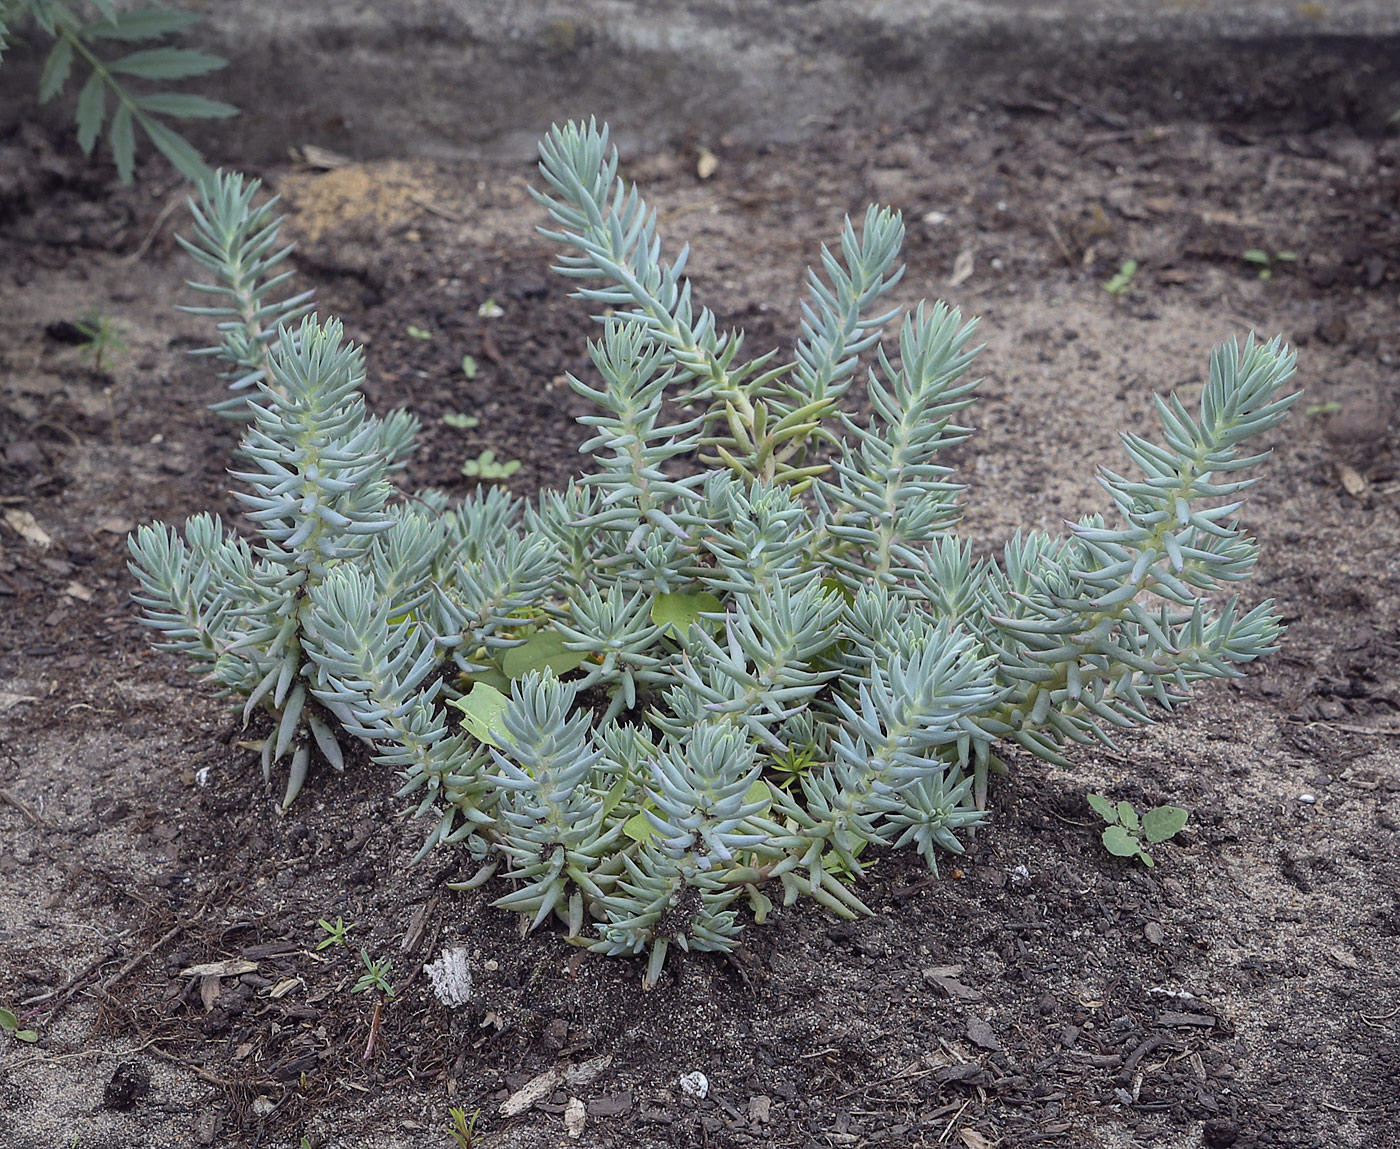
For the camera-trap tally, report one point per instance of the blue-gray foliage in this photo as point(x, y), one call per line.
point(659, 697)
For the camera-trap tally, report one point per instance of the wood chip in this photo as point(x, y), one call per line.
point(707, 164)
point(575, 1117)
point(980, 1033)
point(230, 968)
point(78, 591)
point(1175, 1020)
point(284, 987)
point(1351, 479)
point(25, 525)
point(962, 268)
point(209, 990)
point(537, 1089)
point(971, 1139)
point(945, 977)
point(586, 1072)
point(760, 1109)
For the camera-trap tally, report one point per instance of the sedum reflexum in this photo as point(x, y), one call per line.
point(745, 651)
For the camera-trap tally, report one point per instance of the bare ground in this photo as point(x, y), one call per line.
point(1244, 992)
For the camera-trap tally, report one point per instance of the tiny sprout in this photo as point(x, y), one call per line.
point(336, 933)
point(9, 1023)
point(1126, 830)
point(490, 310)
point(416, 332)
point(486, 466)
point(462, 1127)
point(101, 338)
point(375, 977)
point(460, 421)
point(468, 367)
point(1122, 281)
point(1266, 262)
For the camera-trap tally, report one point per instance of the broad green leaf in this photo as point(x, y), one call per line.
point(8, 1021)
point(178, 150)
point(123, 142)
point(1127, 816)
point(481, 713)
point(614, 797)
point(105, 7)
point(833, 585)
point(147, 24)
point(492, 677)
point(543, 650)
point(1104, 808)
point(167, 63)
point(26, 1035)
point(1160, 824)
point(92, 110)
point(639, 828)
point(678, 611)
point(56, 69)
point(184, 106)
point(759, 792)
point(1254, 255)
point(1120, 843)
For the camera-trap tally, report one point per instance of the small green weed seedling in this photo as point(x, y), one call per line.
point(462, 1127)
point(1127, 831)
point(468, 368)
point(419, 333)
point(1122, 281)
point(335, 934)
point(101, 337)
point(461, 422)
point(1258, 257)
point(375, 977)
point(9, 1023)
point(487, 466)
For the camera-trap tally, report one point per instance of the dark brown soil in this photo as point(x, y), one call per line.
point(1244, 992)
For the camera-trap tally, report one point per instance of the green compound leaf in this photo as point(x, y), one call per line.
point(184, 106)
point(1162, 823)
point(481, 713)
point(123, 143)
point(543, 650)
point(178, 150)
point(56, 69)
point(92, 110)
point(1104, 808)
point(1120, 843)
point(678, 611)
point(148, 24)
point(167, 63)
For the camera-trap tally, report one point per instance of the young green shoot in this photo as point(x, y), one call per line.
point(1127, 831)
point(336, 935)
point(1122, 281)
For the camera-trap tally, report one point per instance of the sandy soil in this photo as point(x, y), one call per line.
point(1245, 992)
